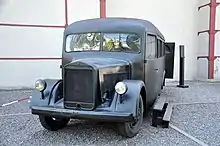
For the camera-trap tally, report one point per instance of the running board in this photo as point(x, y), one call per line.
point(162, 111)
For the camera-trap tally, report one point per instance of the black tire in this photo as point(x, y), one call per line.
point(53, 124)
point(131, 129)
point(163, 84)
point(164, 81)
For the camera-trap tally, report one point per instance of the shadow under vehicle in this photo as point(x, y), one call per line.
point(113, 69)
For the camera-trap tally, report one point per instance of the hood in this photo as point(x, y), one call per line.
point(100, 59)
point(99, 63)
point(109, 70)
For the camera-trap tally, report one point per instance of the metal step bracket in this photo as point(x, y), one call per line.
point(161, 113)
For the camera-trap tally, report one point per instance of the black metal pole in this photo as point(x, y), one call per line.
point(181, 68)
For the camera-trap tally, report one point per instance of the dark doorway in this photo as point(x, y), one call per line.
point(169, 65)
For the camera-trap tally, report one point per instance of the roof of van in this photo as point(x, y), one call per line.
point(112, 24)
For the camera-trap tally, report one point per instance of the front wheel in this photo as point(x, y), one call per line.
point(131, 129)
point(53, 124)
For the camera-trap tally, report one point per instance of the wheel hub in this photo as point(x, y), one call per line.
point(137, 118)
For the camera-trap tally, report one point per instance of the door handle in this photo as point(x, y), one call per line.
point(156, 69)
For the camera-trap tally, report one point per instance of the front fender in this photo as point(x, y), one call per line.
point(48, 96)
point(130, 100)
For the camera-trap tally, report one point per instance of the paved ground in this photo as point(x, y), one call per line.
point(200, 120)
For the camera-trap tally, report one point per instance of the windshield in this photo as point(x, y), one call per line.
point(122, 42)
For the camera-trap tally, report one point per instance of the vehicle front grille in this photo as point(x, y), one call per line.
point(79, 88)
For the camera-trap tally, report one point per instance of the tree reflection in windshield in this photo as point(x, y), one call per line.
point(124, 42)
point(121, 42)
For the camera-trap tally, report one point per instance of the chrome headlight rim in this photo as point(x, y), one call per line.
point(121, 88)
point(40, 85)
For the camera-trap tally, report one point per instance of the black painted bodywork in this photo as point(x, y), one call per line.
point(94, 75)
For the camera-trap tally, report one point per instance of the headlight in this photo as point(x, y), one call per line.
point(121, 88)
point(40, 85)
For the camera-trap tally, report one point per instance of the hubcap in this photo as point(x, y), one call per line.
point(136, 120)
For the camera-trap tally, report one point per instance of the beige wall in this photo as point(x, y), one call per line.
point(177, 20)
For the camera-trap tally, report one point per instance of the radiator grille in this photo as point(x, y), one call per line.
point(79, 88)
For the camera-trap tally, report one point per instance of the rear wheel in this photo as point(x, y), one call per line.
point(131, 129)
point(164, 81)
point(53, 124)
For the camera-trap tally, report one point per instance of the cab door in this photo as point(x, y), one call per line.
point(151, 68)
point(160, 63)
point(169, 60)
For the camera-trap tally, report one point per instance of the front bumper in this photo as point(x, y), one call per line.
point(82, 114)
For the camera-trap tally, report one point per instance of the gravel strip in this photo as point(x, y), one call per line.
point(26, 129)
point(8, 96)
point(200, 121)
point(204, 92)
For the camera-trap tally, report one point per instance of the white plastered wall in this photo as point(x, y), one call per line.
point(26, 42)
point(217, 45)
point(203, 40)
point(177, 20)
point(203, 2)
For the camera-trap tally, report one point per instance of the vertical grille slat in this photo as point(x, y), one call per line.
point(79, 88)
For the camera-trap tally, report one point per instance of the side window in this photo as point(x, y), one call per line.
point(163, 49)
point(151, 47)
point(160, 48)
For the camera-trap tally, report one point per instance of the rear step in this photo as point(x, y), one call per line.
point(162, 111)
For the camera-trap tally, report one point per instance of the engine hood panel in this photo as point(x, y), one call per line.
point(99, 63)
point(110, 70)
